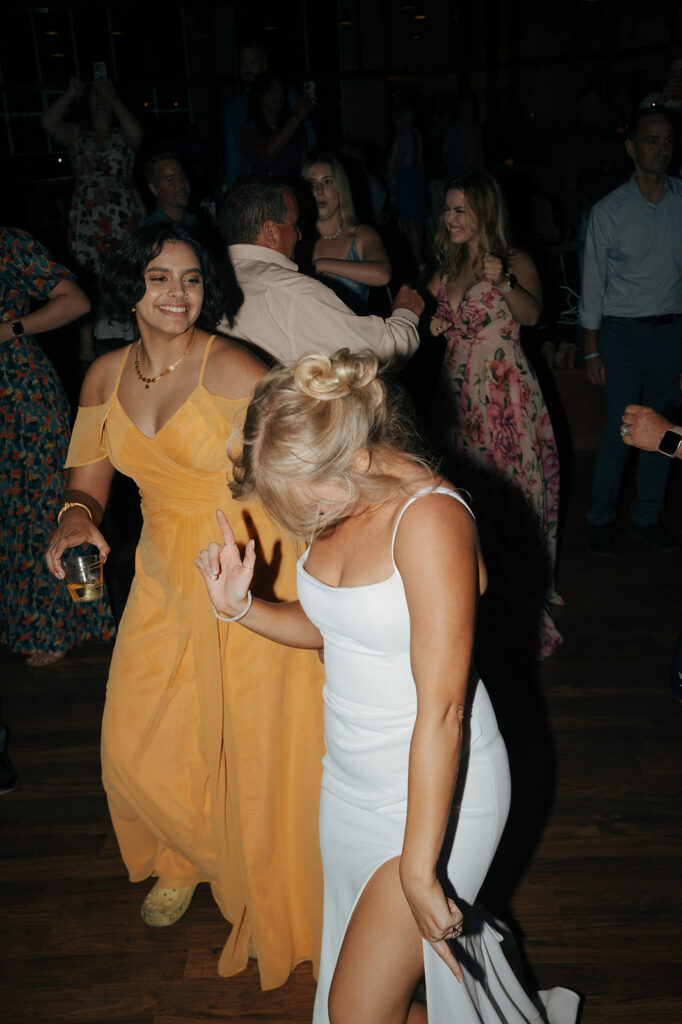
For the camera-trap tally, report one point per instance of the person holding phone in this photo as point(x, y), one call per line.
point(273, 139)
point(102, 138)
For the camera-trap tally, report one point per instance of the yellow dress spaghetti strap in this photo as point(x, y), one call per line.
point(212, 737)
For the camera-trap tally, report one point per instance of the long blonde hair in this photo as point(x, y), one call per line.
point(485, 198)
point(304, 427)
point(347, 214)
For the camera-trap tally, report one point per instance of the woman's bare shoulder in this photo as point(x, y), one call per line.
point(100, 379)
point(232, 371)
point(367, 235)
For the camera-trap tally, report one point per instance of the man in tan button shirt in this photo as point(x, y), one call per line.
point(288, 314)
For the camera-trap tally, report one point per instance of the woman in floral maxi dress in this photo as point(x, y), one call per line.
point(37, 617)
point(491, 406)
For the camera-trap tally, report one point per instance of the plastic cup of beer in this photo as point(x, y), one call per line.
point(83, 575)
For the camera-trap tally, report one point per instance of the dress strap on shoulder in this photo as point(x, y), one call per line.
point(420, 494)
point(126, 353)
point(207, 349)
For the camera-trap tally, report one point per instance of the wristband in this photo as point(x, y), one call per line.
point(235, 618)
point(592, 355)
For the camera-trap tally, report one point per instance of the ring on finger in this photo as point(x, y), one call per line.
point(625, 430)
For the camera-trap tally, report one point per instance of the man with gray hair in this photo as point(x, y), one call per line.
point(288, 314)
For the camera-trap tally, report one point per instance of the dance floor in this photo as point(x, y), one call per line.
point(589, 868)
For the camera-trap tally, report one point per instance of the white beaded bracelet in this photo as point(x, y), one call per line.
point(235, 618)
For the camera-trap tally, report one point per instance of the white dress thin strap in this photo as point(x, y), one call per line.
point(421, 494)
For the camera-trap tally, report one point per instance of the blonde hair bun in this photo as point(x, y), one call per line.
point(325, 378)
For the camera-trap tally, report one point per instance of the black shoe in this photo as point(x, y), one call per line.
point(9, 780)
point(656, 536)
point(600, 540)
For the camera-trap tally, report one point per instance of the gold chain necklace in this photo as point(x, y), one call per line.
point(169, 369)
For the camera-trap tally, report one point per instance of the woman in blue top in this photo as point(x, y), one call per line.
point(349, 255)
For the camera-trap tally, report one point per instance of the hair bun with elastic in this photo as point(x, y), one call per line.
point(323, 378)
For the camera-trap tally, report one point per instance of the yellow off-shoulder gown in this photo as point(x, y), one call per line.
point(212, 737)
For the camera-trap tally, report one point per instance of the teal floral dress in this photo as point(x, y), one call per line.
point(36, 613)
point(493, 412)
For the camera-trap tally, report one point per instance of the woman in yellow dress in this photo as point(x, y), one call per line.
point(211, 737)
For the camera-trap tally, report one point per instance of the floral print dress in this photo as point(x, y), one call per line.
point(105, 205)
point(493, 411)
point(36, 613)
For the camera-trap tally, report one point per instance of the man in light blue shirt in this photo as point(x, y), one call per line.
point(631, 314)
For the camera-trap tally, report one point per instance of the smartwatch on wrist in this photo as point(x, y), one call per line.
point(17, 328)
point(670, 443)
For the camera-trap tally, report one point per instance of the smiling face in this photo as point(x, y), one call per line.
point(174, 293)
point(652, 147)
point(325, 192)
point(170, 185)
point(459, 218)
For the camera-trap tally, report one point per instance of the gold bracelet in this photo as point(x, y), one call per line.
point(72, 504)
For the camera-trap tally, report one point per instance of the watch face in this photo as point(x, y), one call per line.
point(17, 328)
point(670, 442)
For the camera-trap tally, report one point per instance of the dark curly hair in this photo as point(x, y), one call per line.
point(122, 284)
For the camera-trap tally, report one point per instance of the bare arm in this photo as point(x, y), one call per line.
point(130, 126)
point(227, 577)
point(263, 150)
point(438, 324)
point(525, 298)
point(66, 302)
point(439, 533)
point(88, 485)
point(373, 268)
point(64, 133)
point(433, 286)
point(594, 364)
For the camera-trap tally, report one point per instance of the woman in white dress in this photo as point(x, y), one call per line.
point(388, 587)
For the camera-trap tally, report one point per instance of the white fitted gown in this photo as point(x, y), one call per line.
point(370, 710)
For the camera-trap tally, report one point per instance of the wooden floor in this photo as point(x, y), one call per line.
point(589, 867)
